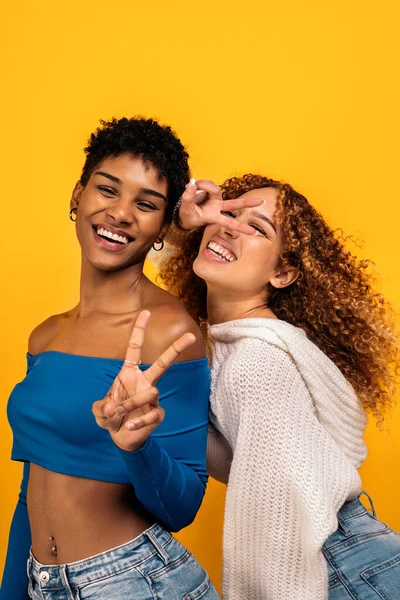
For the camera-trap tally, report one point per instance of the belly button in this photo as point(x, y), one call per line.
point(53, 546)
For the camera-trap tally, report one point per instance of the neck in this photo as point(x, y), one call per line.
point(223, 307)
point(110, 292)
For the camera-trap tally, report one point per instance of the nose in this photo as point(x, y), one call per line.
point(229, 233)
point(120, 211)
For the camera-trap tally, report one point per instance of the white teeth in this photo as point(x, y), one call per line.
point(112, 236)
point(221, 251)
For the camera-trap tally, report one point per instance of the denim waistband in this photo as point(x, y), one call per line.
point(354, 508)
point(133, 553)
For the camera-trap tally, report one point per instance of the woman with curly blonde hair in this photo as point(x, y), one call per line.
point(301, 346)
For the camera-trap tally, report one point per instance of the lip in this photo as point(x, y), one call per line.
point(209, 254)
point(113, 230)
point(109, 244)
point(223, 243)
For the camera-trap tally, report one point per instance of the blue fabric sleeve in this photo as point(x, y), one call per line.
point(169, 471)
point(15, 581)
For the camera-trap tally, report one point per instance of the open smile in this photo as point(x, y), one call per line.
point(111, 239)
point(218, 252)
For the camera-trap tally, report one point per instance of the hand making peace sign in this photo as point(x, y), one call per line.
point(130, 411)
point(202, 204)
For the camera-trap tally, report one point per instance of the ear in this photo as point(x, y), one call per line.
point(163, 230)
point(76, 195)
point(284, 276)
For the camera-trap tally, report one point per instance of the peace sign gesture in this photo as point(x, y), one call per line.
point(202, 203)
point(130, 411)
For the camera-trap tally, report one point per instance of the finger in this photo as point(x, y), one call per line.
point(166, 359)
point(233, 224)
point(189, 194)
point(212, 189)
point(241, 202)
point(106, 416)
point(134, 350)
point(148, 396)
point(151, 419)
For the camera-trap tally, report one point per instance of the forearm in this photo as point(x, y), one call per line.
point(219, 455)
point(171, 489)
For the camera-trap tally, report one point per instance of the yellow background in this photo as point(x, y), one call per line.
point(303, 91)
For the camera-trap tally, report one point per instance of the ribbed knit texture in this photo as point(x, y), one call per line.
point(295, 426)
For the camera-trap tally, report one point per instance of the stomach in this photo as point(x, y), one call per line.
point(73, 518)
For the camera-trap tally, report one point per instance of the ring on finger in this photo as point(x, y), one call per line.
point(132, 362)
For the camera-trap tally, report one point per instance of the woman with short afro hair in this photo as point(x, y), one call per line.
point(112, 464)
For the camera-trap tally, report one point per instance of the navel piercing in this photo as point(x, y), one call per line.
point(53, 547)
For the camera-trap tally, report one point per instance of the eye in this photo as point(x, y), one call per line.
point(106, 191)
point(258, 229)
point(146, 206)
point(228, 213)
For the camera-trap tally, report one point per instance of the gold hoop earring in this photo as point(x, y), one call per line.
point(73, 212)
point(160, 242)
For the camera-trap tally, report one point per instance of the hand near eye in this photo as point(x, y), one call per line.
point(130, 411)
point(202, 204)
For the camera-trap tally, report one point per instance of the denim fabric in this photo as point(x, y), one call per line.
point(152, 566)
point(363, 556)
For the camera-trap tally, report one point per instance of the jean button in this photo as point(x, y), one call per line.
point(44, 576)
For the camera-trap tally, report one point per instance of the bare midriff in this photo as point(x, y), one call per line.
point(73, 518)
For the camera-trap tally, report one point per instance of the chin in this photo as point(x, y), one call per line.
point(208, 271)
point(112, 262)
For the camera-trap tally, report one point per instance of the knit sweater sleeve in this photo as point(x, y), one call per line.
point(287, 483)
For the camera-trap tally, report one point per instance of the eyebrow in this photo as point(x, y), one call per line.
point(154, 193)
point(112, 177)
point(143, 190)
point(263, 218)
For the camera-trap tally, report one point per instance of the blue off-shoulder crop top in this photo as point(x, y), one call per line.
point(50, 413)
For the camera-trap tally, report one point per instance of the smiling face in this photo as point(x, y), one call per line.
point(244, 264)
point(120, 212)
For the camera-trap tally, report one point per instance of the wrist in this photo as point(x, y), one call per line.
point(175, 215)
point(176, 218)
point(129, 448)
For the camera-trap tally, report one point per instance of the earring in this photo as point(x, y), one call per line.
point(72, 212)
point(160, 242)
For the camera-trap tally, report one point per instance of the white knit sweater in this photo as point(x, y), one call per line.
point(295, 426)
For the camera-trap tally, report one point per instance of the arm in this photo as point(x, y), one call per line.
point(288, 481)
point(163, 443)
point(219, 455)
point(169, 472)
point(15, 582)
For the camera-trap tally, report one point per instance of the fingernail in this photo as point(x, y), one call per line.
point(120, 409)
point(131, 425)
point(192, 181)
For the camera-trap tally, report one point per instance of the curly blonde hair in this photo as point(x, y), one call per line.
point(332, 300)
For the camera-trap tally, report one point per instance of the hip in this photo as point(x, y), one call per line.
point(153, 565)
point(363, 556)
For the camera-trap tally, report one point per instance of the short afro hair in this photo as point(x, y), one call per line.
point(144, 138)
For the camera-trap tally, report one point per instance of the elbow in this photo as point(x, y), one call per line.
point(185, 515)
point(181, 521)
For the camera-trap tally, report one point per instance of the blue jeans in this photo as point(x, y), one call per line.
point(152, 566)
point(363, 556)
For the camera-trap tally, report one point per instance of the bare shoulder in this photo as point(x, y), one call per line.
point(169, 320)
point(43, 334)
